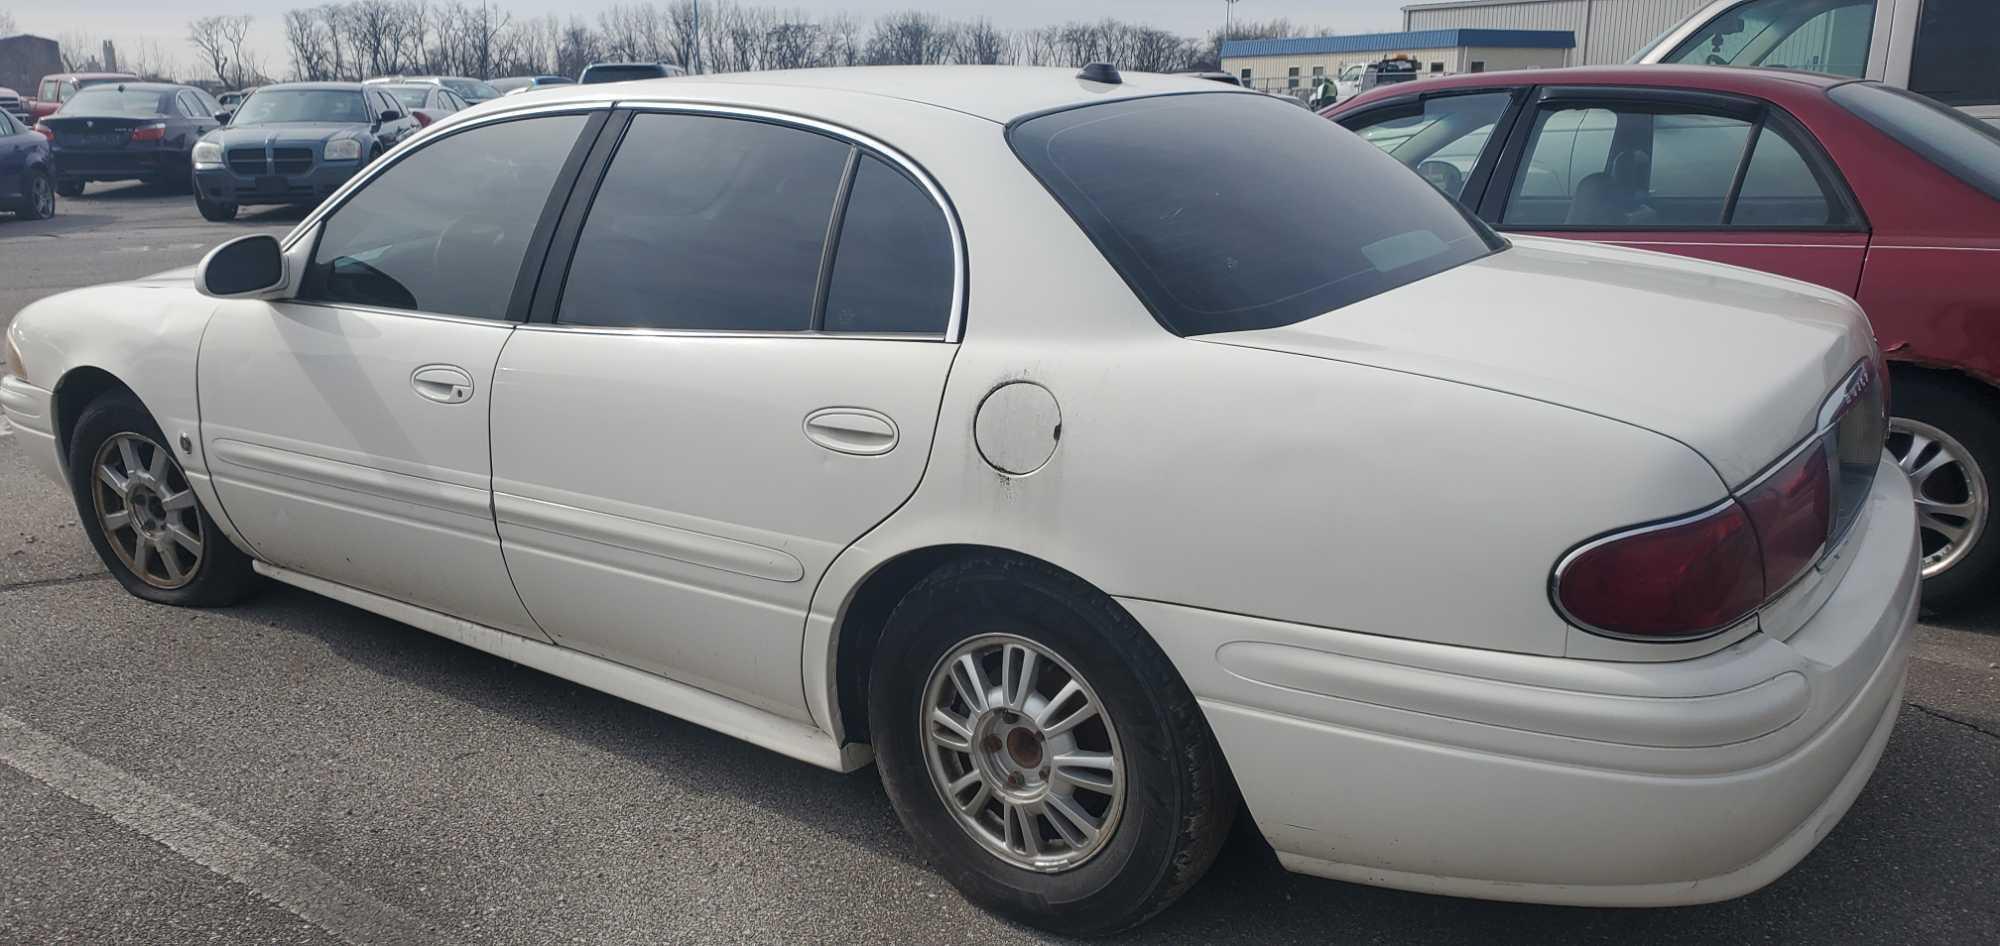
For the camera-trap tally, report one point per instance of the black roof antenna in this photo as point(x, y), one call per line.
point(1100, 72)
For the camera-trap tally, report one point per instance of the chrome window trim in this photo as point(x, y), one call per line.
point(405, 313)
point(640, 330)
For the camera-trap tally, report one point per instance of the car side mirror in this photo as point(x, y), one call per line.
point(391, 115)
point(246, 267)
point(224, 117)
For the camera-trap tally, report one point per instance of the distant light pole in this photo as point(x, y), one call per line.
point(1228, 8)
point(695, 54)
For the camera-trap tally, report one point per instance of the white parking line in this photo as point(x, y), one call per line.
point(308, 892)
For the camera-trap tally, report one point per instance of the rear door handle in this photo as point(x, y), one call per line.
point(445, 384)
point(852, 430)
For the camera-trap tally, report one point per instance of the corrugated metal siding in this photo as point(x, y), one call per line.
point(1608, 31)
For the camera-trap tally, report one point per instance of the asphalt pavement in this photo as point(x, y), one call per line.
point(293, 770)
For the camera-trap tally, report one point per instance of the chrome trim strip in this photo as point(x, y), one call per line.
point(720, 333)
point(649, 538)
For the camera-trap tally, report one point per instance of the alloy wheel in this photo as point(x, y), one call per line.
point(1950, 488)
point(44, 196)
point(147, 511)
point(1022, 752)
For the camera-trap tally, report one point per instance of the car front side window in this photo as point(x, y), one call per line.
point(446, 228)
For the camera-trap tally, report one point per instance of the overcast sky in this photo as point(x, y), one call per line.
point(165, 21)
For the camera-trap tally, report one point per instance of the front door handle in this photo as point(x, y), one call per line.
point(445, 384)
point(852, 430)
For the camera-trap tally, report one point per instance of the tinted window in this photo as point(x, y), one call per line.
point(110, 102)
point(892, 268)
point(410, 95)
point(7, 125)
point(472, 89)
point(1953, 60)
point(1781, 190)
point(707, 223)
point(1967, 148)
point(1444, 140)
point(596, 74)
point(1828, 36)
point(444, 229)
point(1224, 229)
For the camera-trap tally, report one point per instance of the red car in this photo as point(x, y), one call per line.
point(56, 89)
point(1878, 193)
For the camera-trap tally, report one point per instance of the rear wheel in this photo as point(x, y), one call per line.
point(1042, 751)
point(1948, 443)
point(69, 187)
point(142, 514)
point(212, 210)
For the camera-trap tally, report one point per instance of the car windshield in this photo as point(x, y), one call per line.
point(411, 96)
point(1226, 230)
point(268, 106)
point(115, 102)
point(471, 90)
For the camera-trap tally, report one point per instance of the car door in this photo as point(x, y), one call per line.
point(346, 427)
point(14, 154)
point(1710, 176)
point(199, 118)
point(739, 376)
point(389, 132)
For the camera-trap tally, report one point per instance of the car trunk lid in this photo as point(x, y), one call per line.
point(1733, 363)
point(95, 133)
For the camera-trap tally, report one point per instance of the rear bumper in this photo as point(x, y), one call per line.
point(75, 165)
point(224, 186)
point(28, 412)
point(1513, 777)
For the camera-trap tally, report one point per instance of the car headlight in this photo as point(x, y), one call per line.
point(207, 154)
point(343, 149)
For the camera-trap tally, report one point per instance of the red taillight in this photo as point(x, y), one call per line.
point(1792, 509)
point(46, 131)
point(1681, 579)
point(424, 118)
point(153, 132)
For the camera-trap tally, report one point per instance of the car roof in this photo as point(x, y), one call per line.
point(90, 75)
point(1759, 82)
point(310, 86)
point(996, 93)
point(161, 87)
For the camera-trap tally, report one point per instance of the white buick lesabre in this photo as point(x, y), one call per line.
point(1085, 450)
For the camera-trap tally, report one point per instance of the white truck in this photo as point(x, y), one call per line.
point(1939, 48)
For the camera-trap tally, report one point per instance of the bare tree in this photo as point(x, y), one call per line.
point(219, 42)
point(79, 50)
point(6, 23)
point(308, 45)
point(982, 44)
point(576, 48)
point(911, 38)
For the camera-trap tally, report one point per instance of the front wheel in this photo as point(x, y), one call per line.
point(142, 514)
point(213, 211)
point(1042, 751)
point(1947, 441)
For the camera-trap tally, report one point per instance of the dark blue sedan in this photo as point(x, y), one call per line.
point(294, 143)
point(27, 174)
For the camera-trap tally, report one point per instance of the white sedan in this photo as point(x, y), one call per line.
point(1055, 442)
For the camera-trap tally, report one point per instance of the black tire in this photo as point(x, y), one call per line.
point(69, 187)
point(38, 197)
point(214, 212)
point(1964, 411)
point(1179, 800)
point(221, 574)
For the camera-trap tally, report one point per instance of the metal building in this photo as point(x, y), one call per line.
point(1294, 65)
point(1607, 31)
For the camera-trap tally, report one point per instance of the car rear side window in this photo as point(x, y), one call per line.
point(1200, 201)
point(892, 267)
point(445, 229)
point(706, 223)
point(1963, 146)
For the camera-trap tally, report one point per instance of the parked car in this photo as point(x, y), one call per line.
point(295, 143)
point(473, 91)
point(125, 131)
point(598, 72)
point(231, 101)
point(1873, 192)
point(425, 103)
point(514, 84)
point(1524, 569)
point(1939, 48)
point(27, 174)
point(12, 103)
point(57, 89)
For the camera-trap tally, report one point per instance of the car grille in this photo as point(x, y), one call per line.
point(12, 105)
point(247, 161)
point(291, 160)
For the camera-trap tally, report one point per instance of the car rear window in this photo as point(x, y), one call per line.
point(1229, 211)
point(109, 102)
point(597, 74)
point(1965, 147)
